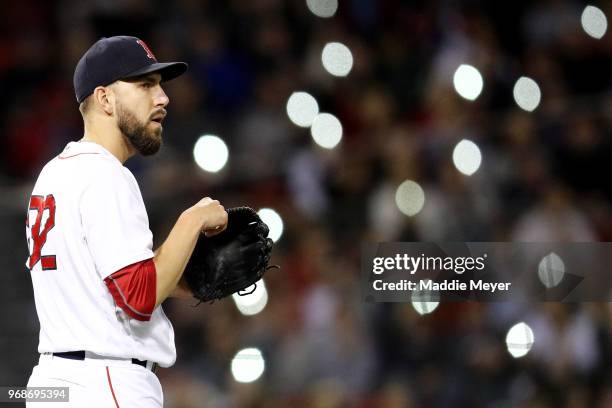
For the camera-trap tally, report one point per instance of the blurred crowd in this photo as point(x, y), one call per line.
point(542, 178)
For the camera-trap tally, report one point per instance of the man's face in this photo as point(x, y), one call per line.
point(140, 109)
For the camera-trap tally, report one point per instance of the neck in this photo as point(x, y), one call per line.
point(111, 138)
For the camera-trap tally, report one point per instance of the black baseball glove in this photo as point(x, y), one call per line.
point(232, 260)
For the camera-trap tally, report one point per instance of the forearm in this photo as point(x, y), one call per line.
point(182, 290)
point(172, 257)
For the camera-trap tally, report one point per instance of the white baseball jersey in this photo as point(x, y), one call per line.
point(87, 220)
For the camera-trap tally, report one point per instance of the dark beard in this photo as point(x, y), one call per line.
point(145, 141)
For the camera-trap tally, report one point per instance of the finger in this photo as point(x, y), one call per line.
point(205, 201)
point(211, 232)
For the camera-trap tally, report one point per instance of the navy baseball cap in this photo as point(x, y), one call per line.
point(121, 57)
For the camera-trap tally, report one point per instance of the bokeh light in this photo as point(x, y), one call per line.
point(322, 8)
point(551, 270)
point(594, 22)
point(468, 82)
point(527, 94)
point(326, 130)
point(248, 365)
point(409, 197)
point(302, 108)
point(274, 222)
point(337, 59)
point(467, 157)
point(519, 340)
point(210, 153)
point(425, 301)
point(253, 303)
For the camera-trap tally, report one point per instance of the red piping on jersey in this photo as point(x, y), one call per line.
point(110, 384)
point(77, 154)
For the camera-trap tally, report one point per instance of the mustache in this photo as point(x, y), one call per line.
point(159, 114)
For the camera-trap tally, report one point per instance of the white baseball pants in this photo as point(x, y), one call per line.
point(97, 383)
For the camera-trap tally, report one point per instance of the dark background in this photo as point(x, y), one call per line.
point(544, 177)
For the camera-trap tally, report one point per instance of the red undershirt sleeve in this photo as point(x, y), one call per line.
point(134, 289)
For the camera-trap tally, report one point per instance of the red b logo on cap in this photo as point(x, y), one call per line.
point(147, 50)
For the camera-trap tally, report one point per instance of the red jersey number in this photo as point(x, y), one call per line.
point(39, 238)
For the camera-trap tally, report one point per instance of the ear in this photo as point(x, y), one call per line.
point(105, 97)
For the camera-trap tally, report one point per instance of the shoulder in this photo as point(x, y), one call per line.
point(88, 159)
point(84, 158)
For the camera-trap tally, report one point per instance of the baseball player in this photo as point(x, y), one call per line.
point(98, 284)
